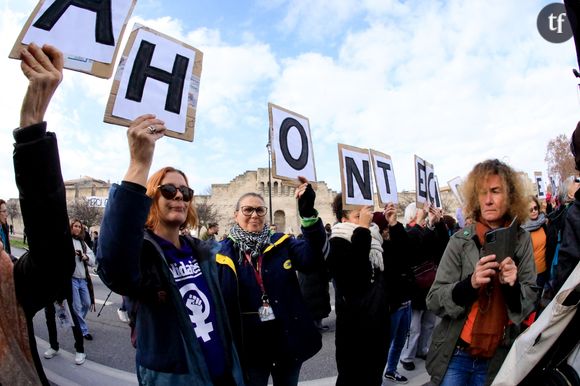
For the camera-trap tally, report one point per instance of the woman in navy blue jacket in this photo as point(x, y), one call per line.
point(182, 332)
point(274, 331)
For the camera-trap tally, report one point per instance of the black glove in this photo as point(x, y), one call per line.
point(306, 203)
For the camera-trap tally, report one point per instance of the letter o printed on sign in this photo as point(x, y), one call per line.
point(300, 162)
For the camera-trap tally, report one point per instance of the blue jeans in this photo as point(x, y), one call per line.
point(400, 321)
point(283, 374)
point(81, 302)
point(465, 370)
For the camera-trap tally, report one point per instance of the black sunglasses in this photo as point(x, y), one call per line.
point(170, 191)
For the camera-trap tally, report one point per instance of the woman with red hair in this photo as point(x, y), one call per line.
point(181, 334)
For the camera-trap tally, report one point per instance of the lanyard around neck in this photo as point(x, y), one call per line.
point(257, 270)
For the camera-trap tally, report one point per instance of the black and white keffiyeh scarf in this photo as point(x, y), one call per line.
point(250, 242)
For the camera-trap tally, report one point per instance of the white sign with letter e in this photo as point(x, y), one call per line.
point(540, 186)
point(420, 182)
point(158, 75)
point(355, 176)
point(291, 142)
point(384, 178)
point(87, 32)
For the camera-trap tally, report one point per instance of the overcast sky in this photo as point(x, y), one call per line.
point(454, 82)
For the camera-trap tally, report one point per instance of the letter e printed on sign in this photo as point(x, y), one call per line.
point(420, 182)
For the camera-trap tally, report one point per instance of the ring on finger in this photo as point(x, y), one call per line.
point(151, 129)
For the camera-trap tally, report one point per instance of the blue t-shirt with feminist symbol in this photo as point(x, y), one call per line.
point(198, 301)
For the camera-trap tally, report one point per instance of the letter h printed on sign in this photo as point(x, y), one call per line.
point(158, 75)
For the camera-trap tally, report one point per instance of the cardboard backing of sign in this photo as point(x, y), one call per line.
point(71, 61)
point(348, 204)
point(188, 134)
point(287, 172)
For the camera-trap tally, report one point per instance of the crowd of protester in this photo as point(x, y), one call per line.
point(251, 307)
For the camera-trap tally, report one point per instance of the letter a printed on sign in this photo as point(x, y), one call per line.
point(158, 75)
point(384, 178)
point(88, 32)
point(355, 176)
point(291, 142)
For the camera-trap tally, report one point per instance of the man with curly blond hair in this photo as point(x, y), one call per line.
point(475, 293)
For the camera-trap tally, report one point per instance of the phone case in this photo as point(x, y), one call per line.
point(501, 242)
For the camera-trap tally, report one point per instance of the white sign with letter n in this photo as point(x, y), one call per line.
point(355, 176)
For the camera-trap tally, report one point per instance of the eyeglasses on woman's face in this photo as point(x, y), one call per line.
point(170, 191)
point(533, 209)
point(248, 210)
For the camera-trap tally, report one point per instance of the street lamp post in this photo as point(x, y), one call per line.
point(269, 147)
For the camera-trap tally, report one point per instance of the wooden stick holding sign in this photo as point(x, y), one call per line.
point(291, 142)
point(433, 193)
point(540, 186)
point(384, 178)
point(87, 32)
point(355, 176)
point(159, 75)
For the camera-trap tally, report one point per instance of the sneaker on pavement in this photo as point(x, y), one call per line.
point(123, 315)
point(80, 358)
point(50, 353)
point(409, 366)
point(88, 336)
point(396, 377)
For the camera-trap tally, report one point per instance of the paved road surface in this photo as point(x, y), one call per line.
point(111, 358)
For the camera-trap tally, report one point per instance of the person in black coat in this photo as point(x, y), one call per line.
point(428, 238)
point(357, 265)
point(39, 276)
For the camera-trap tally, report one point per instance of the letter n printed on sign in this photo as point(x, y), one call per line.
point(292, 154)
point(355, 176)
point(158, 75)
point(88, 32)
point(384, 178)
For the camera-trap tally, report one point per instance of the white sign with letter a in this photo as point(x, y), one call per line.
point(87, 32)
point(291, 142)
